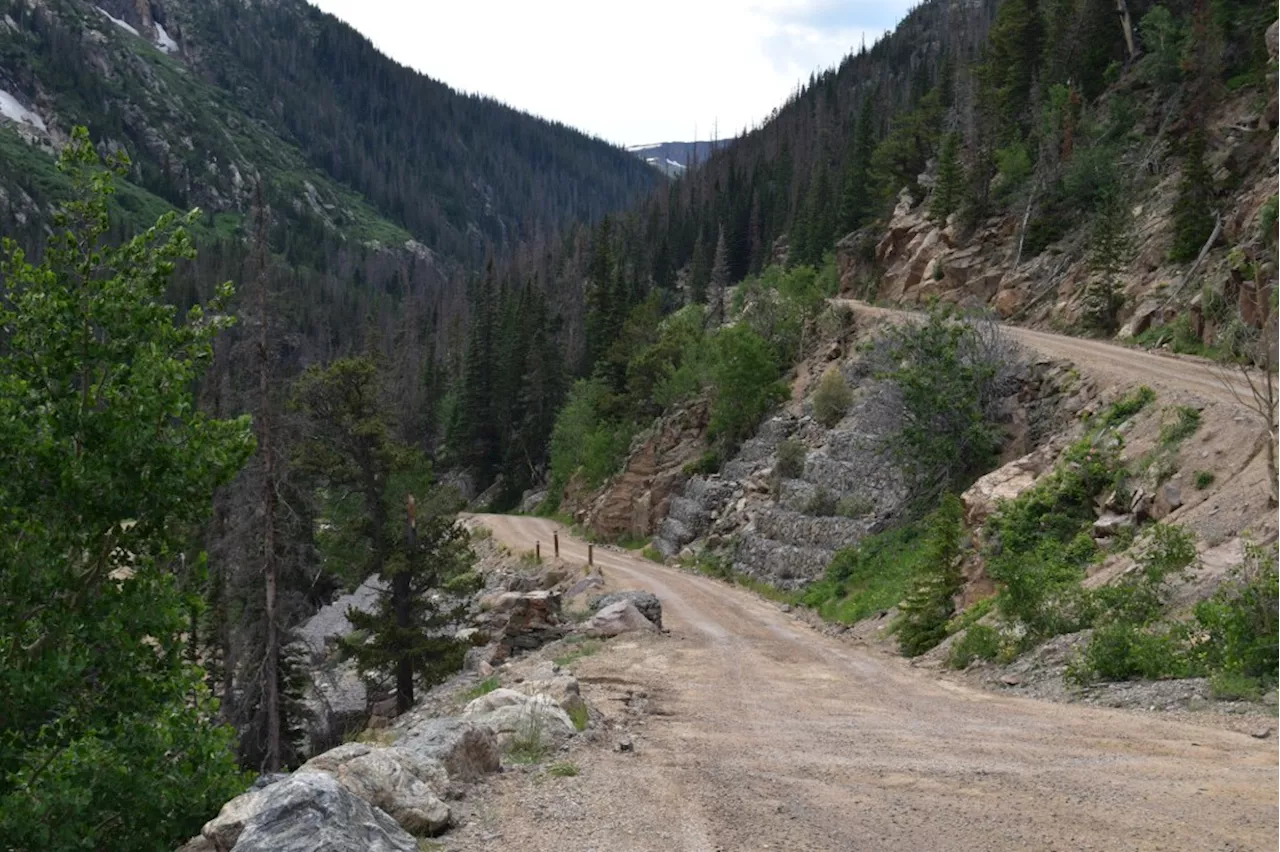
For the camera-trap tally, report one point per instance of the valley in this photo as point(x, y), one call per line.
point(388, 468)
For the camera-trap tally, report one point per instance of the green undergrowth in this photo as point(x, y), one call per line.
point(872, 576)
point(484, 687)
point(720, 566)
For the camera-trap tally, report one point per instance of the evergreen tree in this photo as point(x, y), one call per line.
point(950, 181)
point(350, 449)
point(699, 272)
point(926, 611)
point(109, 737)
point(1012, 57)
point(407, 635)
point(857, 193)
point(718, 289)
point(1192, 210)
point(1110, 244)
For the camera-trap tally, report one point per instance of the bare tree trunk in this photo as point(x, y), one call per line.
point(270, 566)
point(1126, 24)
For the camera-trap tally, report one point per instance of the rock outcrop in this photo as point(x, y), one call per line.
point(647, 602)
point(511, 714)
point(636, 500)
point(616, 619)
point(311, 811)
point(408, 788)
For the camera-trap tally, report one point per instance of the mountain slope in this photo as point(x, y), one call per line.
point(203, 95)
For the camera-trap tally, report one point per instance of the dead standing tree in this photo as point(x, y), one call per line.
point(1248, 371)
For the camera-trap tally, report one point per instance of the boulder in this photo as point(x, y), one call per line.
point(467, 750)
point(1168, 499)
point(533, 620)
point(404, 785)
point(647, 602)
point(511, 714)
point(618, 618)
point(1110, 524)
point(562, 689)
point(1003, 483)
point(223, 831)
point(311, 811)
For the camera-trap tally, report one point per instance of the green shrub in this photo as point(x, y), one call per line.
point(582, 648)
point(1203, 479)
point(870, 577)
point(855, 506)
point(926, 611)
point(584, 438)
point(1185, 423)
point(529, 745)
point(1122, 650)
point(1162, 41)
point(579, 715)
point(972, 614)
point(832, 399)
point(979, 642)
point(705, 465)
point(1239, 624)
point(745, 375)
point(948, 371)
point(821, 504)
point(1126, 407)
point(1233, 686)
point(1041, 541)
point(791, 456)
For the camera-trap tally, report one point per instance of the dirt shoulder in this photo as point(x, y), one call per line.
point(753, 731)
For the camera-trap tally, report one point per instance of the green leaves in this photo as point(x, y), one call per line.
point(108, 740)
point(947, 373)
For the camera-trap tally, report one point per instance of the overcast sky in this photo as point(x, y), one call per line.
point(647, 71)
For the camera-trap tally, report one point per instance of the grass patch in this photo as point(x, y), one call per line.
point(653, 554)
point(584, 648)
point(484, 687)
point(579, 715)
point(564, 769)
point(1203, 479)
point(1186, 421)
point(872, 576)
point(1233, 686)
point(720, 566)
point(528, 746)
point(1125, 407)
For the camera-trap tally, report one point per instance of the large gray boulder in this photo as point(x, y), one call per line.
point(467, 750)
point(647, 602)
point(407, 787)
point(311, 812)
point(512, 714)
point(618, 618)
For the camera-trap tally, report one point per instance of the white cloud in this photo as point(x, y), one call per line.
point(644, 72)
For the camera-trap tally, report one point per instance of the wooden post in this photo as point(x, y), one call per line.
point(537, 550)
point(555, 539)
point(591, 554)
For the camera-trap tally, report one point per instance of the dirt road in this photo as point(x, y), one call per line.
point(1119, 365)
point(765, 734)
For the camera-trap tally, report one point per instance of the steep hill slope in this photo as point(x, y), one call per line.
point(205, 95)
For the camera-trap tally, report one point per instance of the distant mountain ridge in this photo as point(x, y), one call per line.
point(204, 95)
point(674, 158)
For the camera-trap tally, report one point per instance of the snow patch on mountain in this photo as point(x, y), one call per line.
point(124, 25)
point(13, 110)
point(164, 41)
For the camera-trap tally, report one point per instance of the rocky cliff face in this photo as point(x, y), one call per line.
point(992, 265)
point(783, 520)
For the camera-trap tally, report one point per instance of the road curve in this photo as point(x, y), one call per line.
point(773, 736)
point(1110, 363)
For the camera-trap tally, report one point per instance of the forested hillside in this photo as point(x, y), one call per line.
point(1061, 160)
